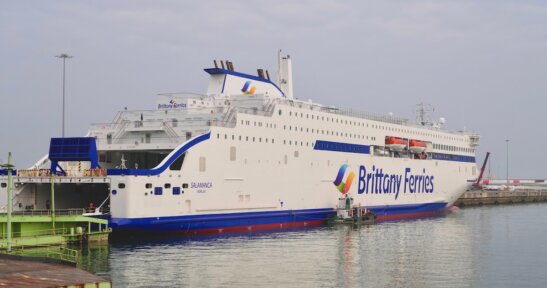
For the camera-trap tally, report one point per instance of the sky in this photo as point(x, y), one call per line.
point(481, 64)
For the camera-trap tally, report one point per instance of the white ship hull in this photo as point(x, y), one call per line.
point(251, 157)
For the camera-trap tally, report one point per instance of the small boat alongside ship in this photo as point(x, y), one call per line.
point(348, 213)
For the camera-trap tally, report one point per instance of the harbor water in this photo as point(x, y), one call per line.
point(497, 246)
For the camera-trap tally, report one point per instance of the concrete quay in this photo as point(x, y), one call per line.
point(481, 197)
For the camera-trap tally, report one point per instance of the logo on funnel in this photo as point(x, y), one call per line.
point(247, 90)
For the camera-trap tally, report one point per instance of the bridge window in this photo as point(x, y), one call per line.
point(148, 185)
point(167, 185)
point(121, 185)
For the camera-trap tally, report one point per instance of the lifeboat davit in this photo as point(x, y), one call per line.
point(395, 144)
point(417, 146)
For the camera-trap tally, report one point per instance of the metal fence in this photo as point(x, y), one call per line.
point(35, 233)
point(47, 212)
point(48, 251)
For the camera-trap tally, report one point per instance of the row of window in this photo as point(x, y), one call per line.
point(176, 190)
point(272, 140)
point(247, 138)
point(374, 126)
point(452, 148)
point(311, 144)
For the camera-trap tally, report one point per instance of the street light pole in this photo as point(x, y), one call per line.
point(9, 168)
point(507, 164)
point(64, 56)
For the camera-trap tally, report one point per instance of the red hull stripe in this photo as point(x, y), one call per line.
point(259, 227)
point(312, 223)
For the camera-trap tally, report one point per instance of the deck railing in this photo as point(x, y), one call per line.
point(35, 233)
point(97, 172)
point(47, 212)
point(48, 251)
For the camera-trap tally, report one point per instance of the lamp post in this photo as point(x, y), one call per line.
point(9, 168)
point(507, 164)
point(64, 56)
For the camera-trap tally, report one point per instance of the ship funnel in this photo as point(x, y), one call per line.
point(260, 73)
point(285, 76)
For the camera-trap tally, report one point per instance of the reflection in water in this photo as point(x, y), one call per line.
point(488, 247)
point(94, 257)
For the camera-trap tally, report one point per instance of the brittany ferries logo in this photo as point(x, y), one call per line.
point(379, 182)
point(171, 105)
point(342, 186)
point(247, 90)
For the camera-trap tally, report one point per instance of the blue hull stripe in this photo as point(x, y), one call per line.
point(407, 209)
point(209, 221)
point(159, 170)
point(217, 221)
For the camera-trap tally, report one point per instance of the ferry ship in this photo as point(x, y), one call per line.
point(248, 155)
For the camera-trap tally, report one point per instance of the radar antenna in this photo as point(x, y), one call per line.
point(423, 111)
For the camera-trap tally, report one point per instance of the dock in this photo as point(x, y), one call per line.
point(22, 273)
point(42, 227)
point(516, 196)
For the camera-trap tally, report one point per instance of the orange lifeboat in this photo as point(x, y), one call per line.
point(395, 144)
point(417, 146)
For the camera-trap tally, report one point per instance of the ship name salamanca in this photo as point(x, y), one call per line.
point(201, 184)
point(378, 182)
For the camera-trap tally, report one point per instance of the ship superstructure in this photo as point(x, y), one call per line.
point(248, 155)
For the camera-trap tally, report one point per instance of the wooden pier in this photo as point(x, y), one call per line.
point(517, 196)
point(23, 273)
